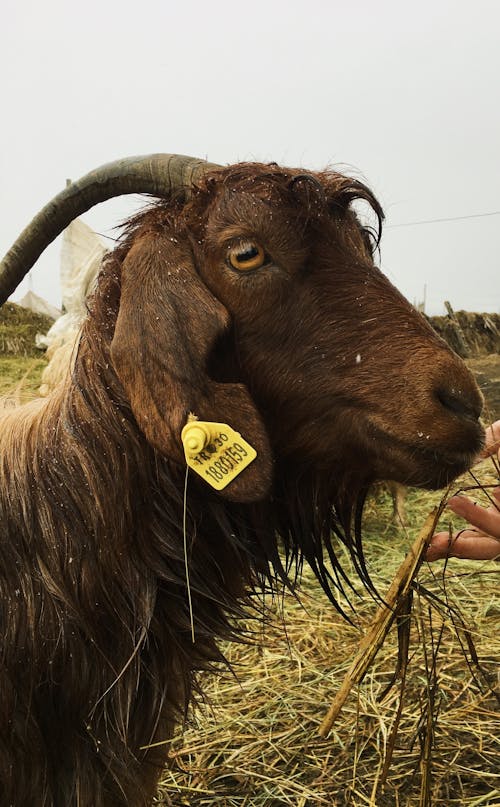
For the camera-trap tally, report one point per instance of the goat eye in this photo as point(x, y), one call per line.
point(247, 256)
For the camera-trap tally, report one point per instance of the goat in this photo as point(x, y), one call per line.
point(246, 296)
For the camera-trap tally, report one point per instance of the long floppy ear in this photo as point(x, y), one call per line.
point(167, 324)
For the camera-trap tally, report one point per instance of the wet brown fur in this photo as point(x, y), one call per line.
point(97, 661)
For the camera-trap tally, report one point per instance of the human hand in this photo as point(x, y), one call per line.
point(481, 541)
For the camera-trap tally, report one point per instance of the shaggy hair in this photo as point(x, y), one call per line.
point(97, 660)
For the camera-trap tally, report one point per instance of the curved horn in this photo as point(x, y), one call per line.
point(157, 174)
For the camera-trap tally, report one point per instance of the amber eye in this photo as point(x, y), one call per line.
point(247, 256)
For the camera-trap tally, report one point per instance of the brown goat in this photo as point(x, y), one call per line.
point(254, 302)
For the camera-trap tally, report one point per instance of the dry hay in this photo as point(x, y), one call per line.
point(18, 328)
point(20, 377)
point(432, 739)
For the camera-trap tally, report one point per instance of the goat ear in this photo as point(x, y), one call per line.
point(167, 324)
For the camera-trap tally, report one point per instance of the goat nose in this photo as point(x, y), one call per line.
point(465, 403)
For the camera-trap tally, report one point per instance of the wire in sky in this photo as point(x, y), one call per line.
point(437, 221)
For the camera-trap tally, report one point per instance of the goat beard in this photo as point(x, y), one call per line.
point(316, 519)
point(308, 517)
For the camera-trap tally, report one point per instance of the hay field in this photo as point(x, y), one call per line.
point(21, 363)
point(431, 739)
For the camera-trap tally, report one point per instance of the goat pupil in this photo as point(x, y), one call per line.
point(248, 254)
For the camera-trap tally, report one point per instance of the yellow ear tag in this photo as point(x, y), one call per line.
point(215, 451)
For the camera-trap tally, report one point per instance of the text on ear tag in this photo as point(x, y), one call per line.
point(215, 451)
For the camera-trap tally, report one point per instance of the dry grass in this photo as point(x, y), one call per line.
point(433, 739)
point(18, 328)
point(20, 376)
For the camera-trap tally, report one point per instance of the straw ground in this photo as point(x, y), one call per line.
point(430, 739)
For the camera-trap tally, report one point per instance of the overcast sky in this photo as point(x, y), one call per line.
point(404, 95)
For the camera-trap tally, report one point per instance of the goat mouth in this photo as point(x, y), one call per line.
point(441, 468)
point(430, 467)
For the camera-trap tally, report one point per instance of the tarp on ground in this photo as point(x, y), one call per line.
point(38, 305)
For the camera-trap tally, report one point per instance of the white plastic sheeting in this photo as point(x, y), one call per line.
point(38, 305)
point(81, 255)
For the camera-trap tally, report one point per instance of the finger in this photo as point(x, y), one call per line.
point(468, 545)
point(492, 440)
point(439, 546)
point(487, 521)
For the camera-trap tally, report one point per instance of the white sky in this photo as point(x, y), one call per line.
point(405, 95)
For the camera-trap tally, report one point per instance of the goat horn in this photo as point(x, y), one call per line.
point(157, 174)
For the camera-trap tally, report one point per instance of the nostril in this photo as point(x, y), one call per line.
point(460, 402)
